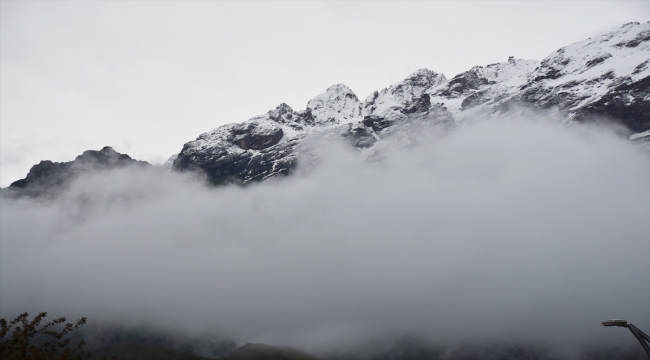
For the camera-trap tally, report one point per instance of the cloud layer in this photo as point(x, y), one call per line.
point(503, 230)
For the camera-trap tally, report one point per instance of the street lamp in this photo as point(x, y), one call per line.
point(643, 338)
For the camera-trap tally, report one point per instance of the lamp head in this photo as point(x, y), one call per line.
point(615, 322)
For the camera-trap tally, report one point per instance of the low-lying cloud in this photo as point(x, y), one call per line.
point(502, 230)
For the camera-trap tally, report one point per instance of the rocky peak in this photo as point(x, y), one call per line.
point(421, 80)
point(285, 115)
point(282, 114)
point(106, 157)
point(403, 94)
point(48, 178)
point(337, 104)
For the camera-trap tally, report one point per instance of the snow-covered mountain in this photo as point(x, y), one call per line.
point(607, 75)
point(603, 78)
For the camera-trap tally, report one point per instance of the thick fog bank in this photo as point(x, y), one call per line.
point(504, 230)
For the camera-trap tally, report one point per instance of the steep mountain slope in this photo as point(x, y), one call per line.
point(607, 75)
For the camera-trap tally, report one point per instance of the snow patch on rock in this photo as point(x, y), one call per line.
point(336, 105)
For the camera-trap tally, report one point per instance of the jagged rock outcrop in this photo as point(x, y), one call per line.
point(49, 178)
point(605, 76)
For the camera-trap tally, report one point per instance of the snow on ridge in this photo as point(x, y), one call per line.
point(337, 104)
point(588, 68)
point(482, 86)
point(513, 71)
point(401, 93)
point(619, 50)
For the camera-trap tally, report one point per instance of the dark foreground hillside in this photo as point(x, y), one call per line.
point(144, 352)
point(268, 352)
point(400, 351)
point(246, 352)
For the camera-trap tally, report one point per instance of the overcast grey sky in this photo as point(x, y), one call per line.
point(146, 77)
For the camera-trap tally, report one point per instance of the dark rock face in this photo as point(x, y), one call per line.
point(419, 105)
point(551, 67)
point(49, 178)
point(377, 123)
point(461, 83)
point(641, 37)
point(625, 104)
point(472, 100)
point(45, 173)
point(251, 136)
point(599, 58)
point(222, 166)
point(359, 135)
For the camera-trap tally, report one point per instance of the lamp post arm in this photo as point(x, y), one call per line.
point(643, 338)
point(641, 333)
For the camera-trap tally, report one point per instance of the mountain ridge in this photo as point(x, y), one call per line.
point(604, 76)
